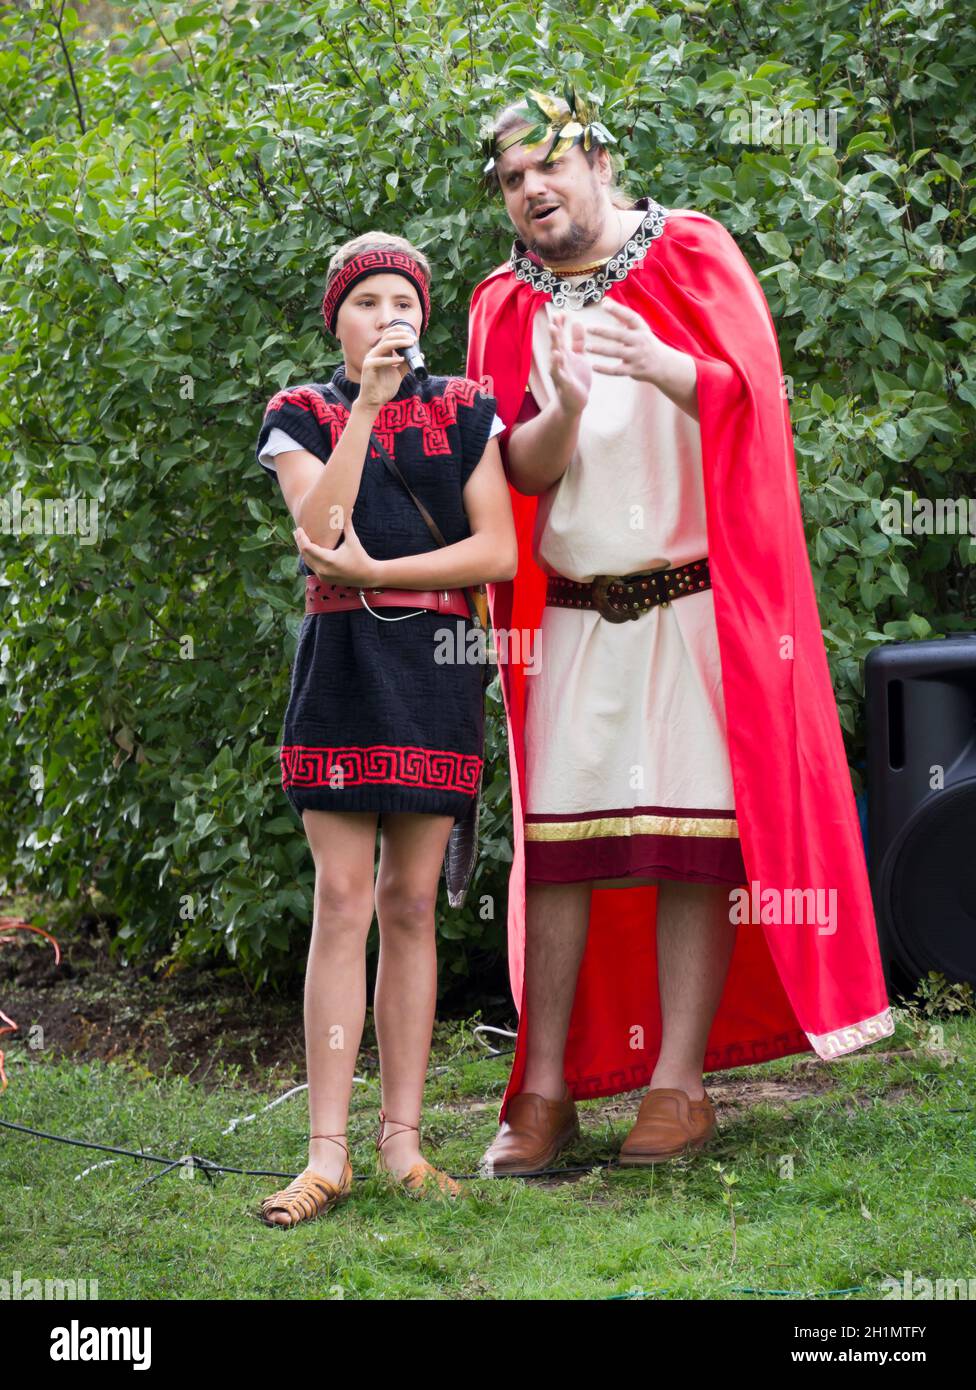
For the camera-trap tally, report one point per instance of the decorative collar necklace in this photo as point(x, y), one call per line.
point(530, 267)
point(580, 269)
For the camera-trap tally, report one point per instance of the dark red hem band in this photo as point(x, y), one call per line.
point(694, 859)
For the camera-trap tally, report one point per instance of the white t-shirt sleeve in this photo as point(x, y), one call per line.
point(277, 442)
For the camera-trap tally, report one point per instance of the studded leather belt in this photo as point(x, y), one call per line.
point(321, 597)
point(620, 597)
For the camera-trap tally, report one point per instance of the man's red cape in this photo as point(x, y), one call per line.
point(790, 988)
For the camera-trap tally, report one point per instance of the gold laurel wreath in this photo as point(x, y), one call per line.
point(551, 124)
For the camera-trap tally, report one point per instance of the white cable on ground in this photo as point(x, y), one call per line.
point(296, 1090)
point(487, 1028)
point(246, 1119)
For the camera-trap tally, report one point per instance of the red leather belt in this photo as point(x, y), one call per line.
point(619, 597)
point(321, 597)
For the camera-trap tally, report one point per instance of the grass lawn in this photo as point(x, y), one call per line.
point(824, 1177)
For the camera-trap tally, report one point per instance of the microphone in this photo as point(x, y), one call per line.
point(412, 352)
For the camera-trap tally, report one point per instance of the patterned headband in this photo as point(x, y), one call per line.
point(374, 263)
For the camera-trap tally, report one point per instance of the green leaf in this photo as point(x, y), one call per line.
point(775, 243)
point(867, 140)
point(951, 166)
point(849, 491)
point(891, 327)
point(830, 270)
point(229, 390)
point(189, 24)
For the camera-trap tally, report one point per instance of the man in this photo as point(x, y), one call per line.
point(688, 889)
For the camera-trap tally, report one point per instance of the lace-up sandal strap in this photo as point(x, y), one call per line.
point(381, 1138)
point(334, 1137)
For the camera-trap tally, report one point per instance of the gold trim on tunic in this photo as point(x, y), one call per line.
point(703, 826)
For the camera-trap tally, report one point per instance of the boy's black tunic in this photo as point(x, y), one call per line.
point(368, 699)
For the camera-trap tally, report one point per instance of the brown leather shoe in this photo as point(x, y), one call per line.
point(668, 1124)
point(533, 1132)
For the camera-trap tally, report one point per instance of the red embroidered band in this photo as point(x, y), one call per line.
point(374, 263)
point(379, 764)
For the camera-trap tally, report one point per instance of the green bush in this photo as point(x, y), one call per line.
point(172, 183)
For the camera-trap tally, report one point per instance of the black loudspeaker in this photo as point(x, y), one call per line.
point(921, 717)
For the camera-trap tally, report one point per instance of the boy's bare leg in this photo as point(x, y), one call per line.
point(343, 845)
point(412, 849)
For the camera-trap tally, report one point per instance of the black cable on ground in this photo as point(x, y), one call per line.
point(209, 1167)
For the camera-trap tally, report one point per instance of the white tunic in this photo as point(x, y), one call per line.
point(631, 714)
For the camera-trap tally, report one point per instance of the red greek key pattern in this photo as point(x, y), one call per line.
point(331, 417)
point(586, 1086)
point(432, 417)
point(380, 764)
point(855, 1035)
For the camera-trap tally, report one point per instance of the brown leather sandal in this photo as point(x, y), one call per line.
point(310, 1195)
point(423, 1176)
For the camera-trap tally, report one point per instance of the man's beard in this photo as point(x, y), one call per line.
point(573, 244)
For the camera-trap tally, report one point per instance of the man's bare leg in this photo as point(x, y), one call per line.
point(695, 940)
point(556, 921)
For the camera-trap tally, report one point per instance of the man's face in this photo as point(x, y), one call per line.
point(569, 185)
point(368, 309)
